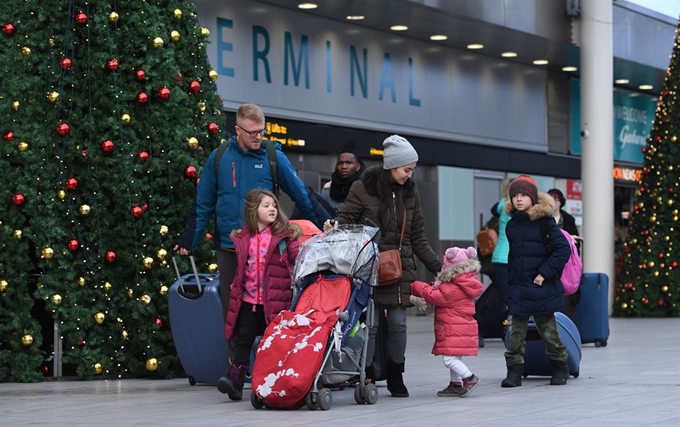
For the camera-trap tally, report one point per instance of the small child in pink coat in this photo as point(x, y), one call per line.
point(455, 329)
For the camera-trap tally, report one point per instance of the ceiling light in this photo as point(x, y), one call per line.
point(541, 62)
point(509, 54)
point(438, 37)
point(569, 68)
point(355, 17)
point(308, 6)
point(646, 87)
point(398, 28)
point(475, 46)
point(621, 81)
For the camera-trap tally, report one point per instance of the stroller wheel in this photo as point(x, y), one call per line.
point(312, 401)
point(256, 401)
point(325, 399)
point(359, 394)
point(371, 393)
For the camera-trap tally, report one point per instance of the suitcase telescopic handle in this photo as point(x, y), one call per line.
point(193, 266)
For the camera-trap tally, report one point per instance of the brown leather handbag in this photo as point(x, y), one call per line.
point(390, 261)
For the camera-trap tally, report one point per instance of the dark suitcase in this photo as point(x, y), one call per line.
point(592, 311)
point(197, 326)
point(380, 352)
point(536, 361)
point(490, 313)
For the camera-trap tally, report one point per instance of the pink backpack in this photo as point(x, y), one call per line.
point(573, 269)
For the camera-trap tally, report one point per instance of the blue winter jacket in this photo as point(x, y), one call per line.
point(528, 257)
point(224, 193)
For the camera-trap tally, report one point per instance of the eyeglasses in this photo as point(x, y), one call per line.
point(254, 133)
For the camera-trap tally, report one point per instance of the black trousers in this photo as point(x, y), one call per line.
point(226, 264)
point(249, 325)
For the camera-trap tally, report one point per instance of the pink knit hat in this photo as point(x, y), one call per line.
point(455, 255)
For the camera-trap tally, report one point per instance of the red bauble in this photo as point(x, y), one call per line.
point(661, 255)
point(194, 87)
point(139, 75)
point(657, 138)
point(81, 342)
point(190, 172)
point(65, 63)
point(159, 322)
point(137, 211)
point(84, 153)
point(629, 286)
point(674, 264)
point(8, 136)
point(197, 181)
point(670, 189)
point(213, 128)
point(73, 245)
point(81, 18)
point(209, 236)
point(107, 146)
point(643, 265)
point(8, 29)
point(145, 206)
point(110, 256)
point(164, 93)
point(646, 232)
point(71, 183)
point(63, 129)
point(112, 64)
point(18, 199)
point(660, 303)
point(142, 98)
point(179, 76)
point(645, 301)
point(644, 149)
point(143, 155)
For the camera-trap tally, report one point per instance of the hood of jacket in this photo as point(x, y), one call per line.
point(544, 207)
point(467, 266)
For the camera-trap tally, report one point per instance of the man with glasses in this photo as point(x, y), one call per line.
point(244, 165)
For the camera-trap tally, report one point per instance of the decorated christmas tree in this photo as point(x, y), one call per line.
point(108, 110)
point(649, 283)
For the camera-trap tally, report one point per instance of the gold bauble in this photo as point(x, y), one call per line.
point(125, 334)
point(27, 340)
point(163, 230)
point(130, 293)
point(162, 253)
point(81, 281)
point(56, 299)
point(84, 209)
point(151, 364)
point(212, 75)
point(664, 289)
point(3, 285)
point(52, 42)
point(174, 36)
point(126, 118)
point(113, 16)
point(53, 96)
point(25, 50)
point(145, 298)
point(201, 106)
point(97, 368)
point(624, 305)
point(178, 14)
point(212, 268)
point(61, 194)
point(47, 253)
point(147, 262)
point(22, 146)
point(205, 31)
point(670, 202)
point(17, 234)
point(107, 286)
point(192, 142)
point(163, 291)
point(157, 42)
point(15, 105)
point(99, 318)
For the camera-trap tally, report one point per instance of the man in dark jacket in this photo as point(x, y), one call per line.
point(348, 169)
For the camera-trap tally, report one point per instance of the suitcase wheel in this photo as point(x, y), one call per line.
point(256, 401)
point(192, 380)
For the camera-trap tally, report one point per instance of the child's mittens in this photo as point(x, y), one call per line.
point(418, 302)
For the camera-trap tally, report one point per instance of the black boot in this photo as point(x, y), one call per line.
point(395, 380)
point(560, 372)
point(514, 378)
point(232, 384)
point(370, 374)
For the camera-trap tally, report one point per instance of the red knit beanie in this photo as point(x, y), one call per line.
point(526, 185)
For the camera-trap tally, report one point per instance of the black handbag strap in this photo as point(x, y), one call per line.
point(403, 220)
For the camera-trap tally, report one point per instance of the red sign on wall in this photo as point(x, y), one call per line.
point(573, 189)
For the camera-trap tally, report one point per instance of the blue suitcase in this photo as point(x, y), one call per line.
point(197, 326)
point(536, 361)
point(592, 317)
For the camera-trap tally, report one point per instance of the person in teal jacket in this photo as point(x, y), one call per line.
point(243, 167)
point(499, 258)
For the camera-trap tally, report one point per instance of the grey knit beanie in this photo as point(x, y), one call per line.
point(398, 152)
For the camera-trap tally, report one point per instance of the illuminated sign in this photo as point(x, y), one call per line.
point(277, 133)
point(376, 152)
point(627, 174)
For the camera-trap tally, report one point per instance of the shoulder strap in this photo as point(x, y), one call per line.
point(220, 152)
point(403, 228)
point(273, 165)
point(545, 234)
